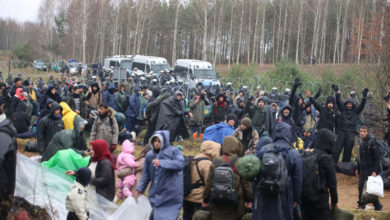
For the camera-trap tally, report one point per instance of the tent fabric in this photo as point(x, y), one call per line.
point(47, 188)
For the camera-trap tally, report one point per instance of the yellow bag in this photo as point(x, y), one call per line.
point(300, 144)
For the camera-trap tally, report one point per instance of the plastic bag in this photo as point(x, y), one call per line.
point(131, 209)
point(375, 186)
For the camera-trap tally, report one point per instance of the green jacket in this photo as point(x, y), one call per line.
point(142, 104)
point(120, 101)
point(197, 110)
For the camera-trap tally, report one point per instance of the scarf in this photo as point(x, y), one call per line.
point(103, 116)
point(100, 147)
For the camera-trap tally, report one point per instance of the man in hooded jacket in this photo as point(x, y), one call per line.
point(348, 121)
point(170, 116)
point(109, 97)
point(220, 109)
point(320, 209)
point(231, 148)
point(49, 125)
point(327, 117)
point(209, 150)
point(7, 166)
point(164, 170)
point(132, 110)
point(94, 98)
point(260, 116)
point(281, 206)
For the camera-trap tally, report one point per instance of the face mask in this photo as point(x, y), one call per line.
point(103, 116)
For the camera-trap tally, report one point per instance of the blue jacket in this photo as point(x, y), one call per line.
point(110, 98)
point(274, 207)
point(166, 188)
point(134, 104)
point(218, 132)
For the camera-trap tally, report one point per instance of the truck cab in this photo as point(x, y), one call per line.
point(195, 71)
point(119, 65)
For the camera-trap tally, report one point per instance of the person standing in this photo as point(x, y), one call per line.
point(197, 110)
point(132, 110)
point(49, 125)
point(105, 127)
point(163, 169)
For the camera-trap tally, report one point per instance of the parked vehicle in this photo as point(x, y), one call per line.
point(149, 63)
point(58, 65)
point(39, 65)
point(194, 71)
point(118, 66)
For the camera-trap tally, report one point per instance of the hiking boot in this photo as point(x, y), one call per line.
point(378, 206)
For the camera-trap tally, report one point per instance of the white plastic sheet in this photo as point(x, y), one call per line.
point(131, 209)
point(375, 186)
point(47, 188)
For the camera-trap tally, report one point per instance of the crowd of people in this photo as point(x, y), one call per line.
point(282, 130)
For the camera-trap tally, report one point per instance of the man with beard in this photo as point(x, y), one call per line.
point(75, 101)
point(170, 116)
point(247, 135)
point(259, 116)
point(105, 127)
point(50, 93)
point(94, 97)
point(327, 112)
point(349, 117)
point(220, 109)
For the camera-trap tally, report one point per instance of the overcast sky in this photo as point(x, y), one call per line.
point(20, 10)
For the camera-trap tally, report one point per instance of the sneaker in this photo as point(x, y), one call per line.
point(361, 205)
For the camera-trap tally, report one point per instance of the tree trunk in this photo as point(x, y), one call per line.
point(231, 34)
point(361, 28)
point(381, 33)
point(344, 33)
point(240, 34)
point(84, 27)
point(175, 33)
point(262, 34)
point(205, 27)
point(218, 44)
point(255, 31)
point(279, 31)
point(323, 34)
point(336, 42)
point(314, 41)
point(301, 2)
point(248, 41)
point(284, 30)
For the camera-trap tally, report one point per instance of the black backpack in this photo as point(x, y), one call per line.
point(188, 185)
point(223, 186)
point(273, 178)
point(311, 181)
point(384, 150)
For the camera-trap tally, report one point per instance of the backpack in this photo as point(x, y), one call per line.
point(223, 186)
point(311, 183)
point(384, 150)
point(188, 185)
point(273, 178)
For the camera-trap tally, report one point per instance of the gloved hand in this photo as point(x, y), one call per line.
point(365, 93)
point(297, 82)
point(335, 88)
point(318, 94)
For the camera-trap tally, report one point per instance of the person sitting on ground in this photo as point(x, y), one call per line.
point(247, 135)
point(231, 150)
point(209, 150)
point(164, 171)
point(21, 121)
point(77, 202)
point(369, 164)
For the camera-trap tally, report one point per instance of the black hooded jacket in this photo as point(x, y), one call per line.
point(327, 118)
point(324, 146)
point(219, 109)
point(369, 156)
point(48, 127)
point(56, 97)
point(7, 160)
point(348, 118)
point(289, 120)
point(21, 119)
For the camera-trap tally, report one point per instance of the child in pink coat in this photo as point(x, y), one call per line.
point(126, 160)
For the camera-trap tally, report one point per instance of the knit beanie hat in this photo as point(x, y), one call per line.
point(247, 122)
point(83, 176)
point(231, 117)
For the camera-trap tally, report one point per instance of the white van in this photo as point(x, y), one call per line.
point(123, 61)
point(194, 71)
point(149, 63)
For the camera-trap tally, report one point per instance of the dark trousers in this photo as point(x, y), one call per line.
point(189, 209)
point(344, 140)
point(363, 177)
point(26, 134)
point(131, 122)
point(149, 132)
point(312, 213)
